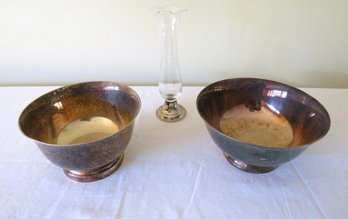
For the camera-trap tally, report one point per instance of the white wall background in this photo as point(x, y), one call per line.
point(299, 42)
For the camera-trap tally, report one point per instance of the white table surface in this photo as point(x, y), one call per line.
point(174, 170)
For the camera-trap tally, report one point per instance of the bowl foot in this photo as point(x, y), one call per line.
point(95, 174)
point(249, 167)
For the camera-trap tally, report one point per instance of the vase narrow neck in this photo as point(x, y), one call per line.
point(169, 35)
point(169, 20)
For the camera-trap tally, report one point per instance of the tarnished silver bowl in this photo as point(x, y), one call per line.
point(83, 128)
point(260, 124)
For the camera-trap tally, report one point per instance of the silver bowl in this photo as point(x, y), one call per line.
point(260, 124)
point(83, 128)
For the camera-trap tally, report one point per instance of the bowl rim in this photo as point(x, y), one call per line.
point(207, 89)
point(71, 86)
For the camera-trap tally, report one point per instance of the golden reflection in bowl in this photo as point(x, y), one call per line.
point(87, 130)
point(260, 127)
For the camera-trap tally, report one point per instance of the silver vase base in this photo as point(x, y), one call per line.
point(248, 167)
point(171, 112)
point(95, 174)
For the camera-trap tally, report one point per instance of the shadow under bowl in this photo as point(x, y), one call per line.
point(83, 128)
point(260, 124)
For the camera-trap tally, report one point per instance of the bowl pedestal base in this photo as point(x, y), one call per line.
point(248, 167)
point(95, 174)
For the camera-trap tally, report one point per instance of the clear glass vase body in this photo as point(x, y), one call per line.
point(170, 82)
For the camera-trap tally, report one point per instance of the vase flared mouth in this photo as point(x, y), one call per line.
point(169, 9)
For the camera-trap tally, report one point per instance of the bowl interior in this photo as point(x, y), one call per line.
point(262, 112)
point(67, 115)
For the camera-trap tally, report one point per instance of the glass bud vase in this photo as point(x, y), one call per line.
point(170, 82)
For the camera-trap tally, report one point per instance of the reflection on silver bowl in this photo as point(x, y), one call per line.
point(260, 124)
point(83, 128)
